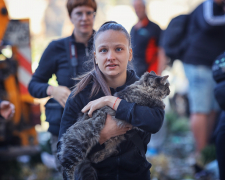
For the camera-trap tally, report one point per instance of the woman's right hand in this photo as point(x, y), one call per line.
point(59, 93)
point(111, 130)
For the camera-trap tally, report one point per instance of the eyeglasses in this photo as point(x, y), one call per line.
point(89, 14)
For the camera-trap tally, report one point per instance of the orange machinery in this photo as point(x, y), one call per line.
point(16, 34)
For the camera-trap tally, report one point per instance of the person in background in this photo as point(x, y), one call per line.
point(219, 91)
point(145, 36)
point(7, 109)
point(206, 37)
point(65, 58)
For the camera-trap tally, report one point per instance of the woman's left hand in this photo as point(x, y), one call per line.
point(101, 102)
point(7, 109)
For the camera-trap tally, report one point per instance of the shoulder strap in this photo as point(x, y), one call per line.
point(137, 141)
point(71, 56)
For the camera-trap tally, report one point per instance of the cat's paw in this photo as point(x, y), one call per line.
point(102, 155)
point(115, 152)
point(97, 157)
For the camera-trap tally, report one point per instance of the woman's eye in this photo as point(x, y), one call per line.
point(118, 49)
point(103, 50)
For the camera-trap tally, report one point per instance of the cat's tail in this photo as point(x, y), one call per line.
point(84, 171)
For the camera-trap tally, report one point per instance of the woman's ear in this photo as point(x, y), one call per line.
point(130, 54)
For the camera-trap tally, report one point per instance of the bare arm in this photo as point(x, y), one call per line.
point(110, 101)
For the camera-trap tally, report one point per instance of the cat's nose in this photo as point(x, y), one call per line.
point(168, 91)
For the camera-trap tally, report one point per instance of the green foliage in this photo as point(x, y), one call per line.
point(176, 124)
point(208, 154)
point(180, 126)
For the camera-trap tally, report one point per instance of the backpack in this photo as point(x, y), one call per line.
point(218, 68)
point(174, 39)
point(218, 71)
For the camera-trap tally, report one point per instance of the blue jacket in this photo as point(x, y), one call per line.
point(206, 34)
point(124, 165)
point(56, 60)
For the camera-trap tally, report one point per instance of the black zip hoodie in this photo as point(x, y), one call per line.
point(128, 164)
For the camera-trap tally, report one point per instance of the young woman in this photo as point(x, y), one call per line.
point(112, 52)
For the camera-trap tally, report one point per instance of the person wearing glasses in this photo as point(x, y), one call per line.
point(64, 58)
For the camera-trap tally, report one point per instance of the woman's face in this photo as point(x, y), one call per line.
point(82, 18)
point(112, 53)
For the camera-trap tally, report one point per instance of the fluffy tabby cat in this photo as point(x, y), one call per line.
point(78, 140)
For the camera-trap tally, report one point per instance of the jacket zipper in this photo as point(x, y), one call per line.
point(86, 51)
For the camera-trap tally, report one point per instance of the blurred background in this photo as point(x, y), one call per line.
point(168, 150)
point(49, 19)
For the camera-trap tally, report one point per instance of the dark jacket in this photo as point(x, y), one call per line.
point(219, 133)
point(0, 104)
point(206, 34)
point(128, 164)
point(219, 93)
point(56, 60)
point(145, 42)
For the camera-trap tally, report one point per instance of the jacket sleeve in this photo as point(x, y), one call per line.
point(220, 94)
point(71, 112)
point(212, 14)
point(143, 117)
point(47, 66)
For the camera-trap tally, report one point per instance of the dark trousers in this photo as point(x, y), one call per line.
point(220, 145)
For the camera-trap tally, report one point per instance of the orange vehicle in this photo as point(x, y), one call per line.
point(18, 136)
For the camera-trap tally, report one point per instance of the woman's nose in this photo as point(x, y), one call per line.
point(111, 55)
point(84, 16)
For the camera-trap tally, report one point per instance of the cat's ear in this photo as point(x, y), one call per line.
point(153, 73)
point(163, 79)
point(144, 78)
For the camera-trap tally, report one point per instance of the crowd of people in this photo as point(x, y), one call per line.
point(98, 60)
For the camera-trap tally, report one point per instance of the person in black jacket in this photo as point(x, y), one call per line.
point(145, 36)
point(219, 91)
point(112, 52)
point(65, 58)
point(206, 37)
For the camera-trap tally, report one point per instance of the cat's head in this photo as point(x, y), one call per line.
point(157, 85)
